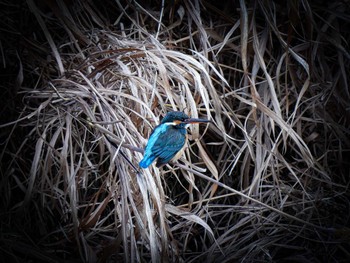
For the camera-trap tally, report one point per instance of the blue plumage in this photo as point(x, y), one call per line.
point(167, 139)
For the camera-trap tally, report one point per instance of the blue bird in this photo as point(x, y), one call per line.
point(168, 139)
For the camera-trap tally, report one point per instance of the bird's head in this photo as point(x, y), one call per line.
point(178, 118)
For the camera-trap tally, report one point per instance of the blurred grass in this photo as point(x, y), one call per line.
point(267, 181)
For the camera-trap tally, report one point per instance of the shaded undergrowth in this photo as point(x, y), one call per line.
point(266, 181)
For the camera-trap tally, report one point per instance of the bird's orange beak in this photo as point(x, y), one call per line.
point(194, 120)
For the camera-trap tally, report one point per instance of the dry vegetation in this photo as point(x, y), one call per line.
point(268, 181)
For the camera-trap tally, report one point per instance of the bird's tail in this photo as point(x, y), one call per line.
point(146, 161)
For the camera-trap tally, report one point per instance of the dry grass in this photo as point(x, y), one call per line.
point(267, 181)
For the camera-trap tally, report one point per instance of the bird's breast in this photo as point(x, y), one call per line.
point(181, 151)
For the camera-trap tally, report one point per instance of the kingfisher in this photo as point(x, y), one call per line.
point(168, 139)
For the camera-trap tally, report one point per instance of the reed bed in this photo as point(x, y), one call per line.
point(266, 181)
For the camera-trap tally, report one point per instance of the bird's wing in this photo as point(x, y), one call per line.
point(168, 144)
